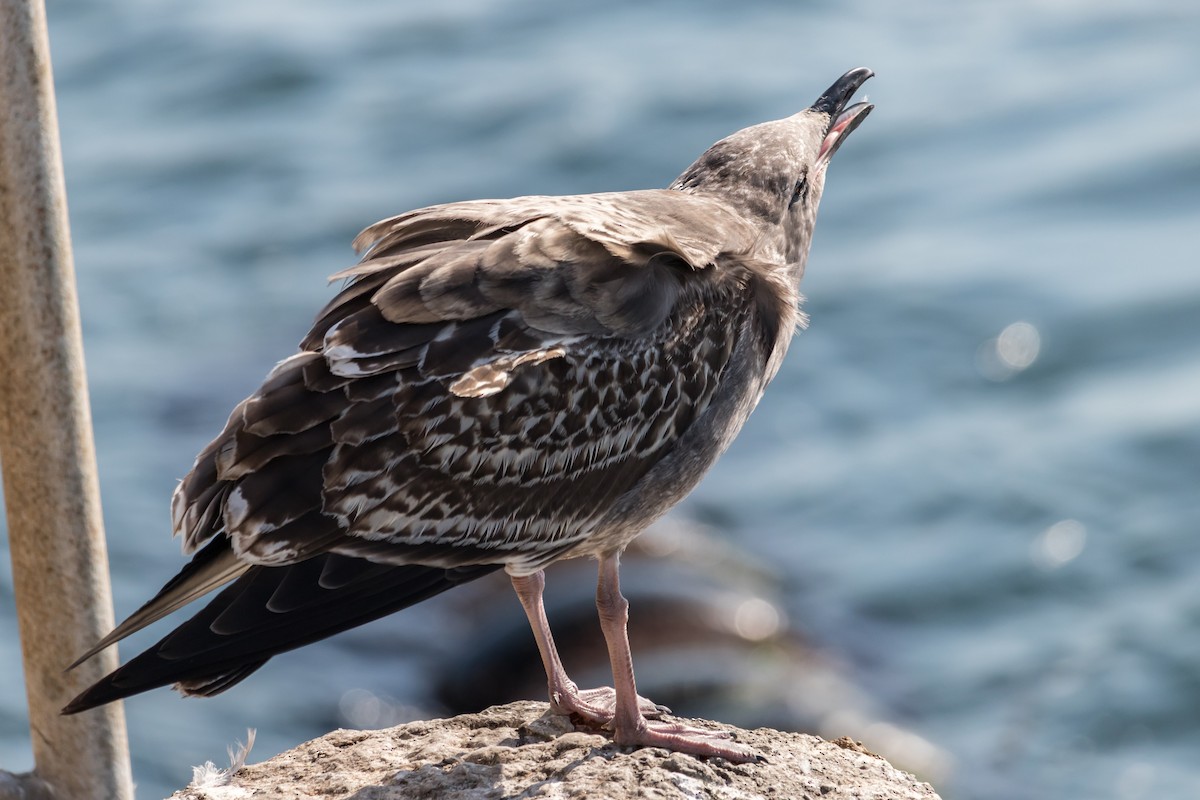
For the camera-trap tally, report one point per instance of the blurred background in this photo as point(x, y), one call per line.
point(962, 525)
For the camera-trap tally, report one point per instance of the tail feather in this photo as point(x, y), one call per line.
point(262, 614)
point(214, 566)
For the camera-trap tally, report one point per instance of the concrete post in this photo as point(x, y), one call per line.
point(60, 566)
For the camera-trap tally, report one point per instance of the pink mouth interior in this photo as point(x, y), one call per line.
point(835, 132)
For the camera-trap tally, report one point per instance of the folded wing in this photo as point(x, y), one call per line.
point(490, 379)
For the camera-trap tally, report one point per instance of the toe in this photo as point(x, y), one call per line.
point(681, 738)
point(599, 705)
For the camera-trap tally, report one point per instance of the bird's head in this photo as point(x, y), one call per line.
point(774, 173)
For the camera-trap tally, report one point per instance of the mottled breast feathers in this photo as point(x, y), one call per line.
point(492, 377)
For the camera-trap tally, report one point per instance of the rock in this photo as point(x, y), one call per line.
point(522, 750)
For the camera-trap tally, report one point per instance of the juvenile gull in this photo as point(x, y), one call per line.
point(500, 383)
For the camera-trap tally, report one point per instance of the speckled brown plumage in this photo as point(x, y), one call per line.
point(498, 383)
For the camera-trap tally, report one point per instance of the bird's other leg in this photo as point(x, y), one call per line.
point(629, 724)
point(594, 705)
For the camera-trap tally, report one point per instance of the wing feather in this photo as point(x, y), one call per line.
point(492, 377)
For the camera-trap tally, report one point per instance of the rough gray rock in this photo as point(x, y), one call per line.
point(522, 751)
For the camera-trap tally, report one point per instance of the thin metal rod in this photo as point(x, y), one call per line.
point(55, 532)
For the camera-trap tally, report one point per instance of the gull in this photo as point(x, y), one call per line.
point(498, 384)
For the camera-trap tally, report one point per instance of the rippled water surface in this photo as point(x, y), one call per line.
point(978, 470)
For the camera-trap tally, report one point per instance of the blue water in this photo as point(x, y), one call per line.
point(978, 470)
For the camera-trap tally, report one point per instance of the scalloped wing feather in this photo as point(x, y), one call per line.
point(502, 344)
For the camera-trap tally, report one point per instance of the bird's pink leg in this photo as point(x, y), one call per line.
point(629, 724)
point(594, 705)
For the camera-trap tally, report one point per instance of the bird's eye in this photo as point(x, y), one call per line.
point(799, 191)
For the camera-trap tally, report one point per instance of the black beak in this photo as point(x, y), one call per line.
point(833, 102)
point(842, 120)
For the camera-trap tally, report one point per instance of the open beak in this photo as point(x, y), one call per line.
point(842, 119)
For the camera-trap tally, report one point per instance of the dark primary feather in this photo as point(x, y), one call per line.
point(270, 610)
point(493, 377)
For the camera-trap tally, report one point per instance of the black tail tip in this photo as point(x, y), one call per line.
point(75, 706)
point(94, 696)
